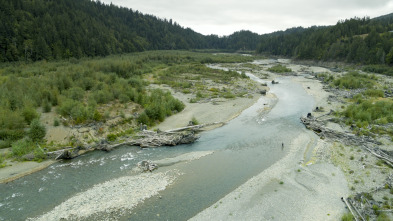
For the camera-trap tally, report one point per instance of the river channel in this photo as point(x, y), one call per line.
point(242, 148)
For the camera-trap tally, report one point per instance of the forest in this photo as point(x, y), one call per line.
point(61, 29)
point(357, 40)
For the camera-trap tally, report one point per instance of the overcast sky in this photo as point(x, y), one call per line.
point(223, 17)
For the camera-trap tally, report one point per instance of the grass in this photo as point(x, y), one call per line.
point(279, 69)
point(355, 80)
point(347, 217)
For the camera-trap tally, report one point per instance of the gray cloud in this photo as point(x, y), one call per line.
point(224, 17)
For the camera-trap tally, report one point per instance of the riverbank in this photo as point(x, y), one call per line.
point(288, 190)
point(312, 187)
point(310, 184)
point(222, 111)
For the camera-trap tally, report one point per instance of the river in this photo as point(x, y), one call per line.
point(242, 148)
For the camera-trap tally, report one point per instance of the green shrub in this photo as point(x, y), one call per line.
point(228, 95)
point(376, 209)
point(111, 137)
point(354, 80)
point(39, 154)
point(143, 118)
point(279, 69)
point(37, 131)
point(5, 144)
point(194, 121)
point(383, 217)
point(366, 112)
point(29, 113)
point(347, 217)
point(75, 93)
point(7, 134)
point(22, 147)
point(56, 122)
point(46, 106)
point(2, 159)
point(374, 93)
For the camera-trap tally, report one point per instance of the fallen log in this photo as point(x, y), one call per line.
point(67, 154)
point(381, 156)
point(356, 210)
point(324, 132)
point(153, 139)
point(194, 127)
point(350, 208)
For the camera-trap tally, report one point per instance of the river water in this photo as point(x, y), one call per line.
point(242, 148)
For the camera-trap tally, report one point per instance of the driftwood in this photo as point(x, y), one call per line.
point(153, 139)
point(381, 155)
point(145, 138)
point(194, 127)
point(62, 154)
point(356, 207)
point(346, 138)
point(349, 206)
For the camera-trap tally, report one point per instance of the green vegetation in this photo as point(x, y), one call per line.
point(357, 40)
point(194, 121)
point(84, 91)
point(279, 69)
point(68, 29)
point(367, 111)
point(347, 217)
point(355, 80)
point(379, 69)
point(37, 131)
point(22, 147)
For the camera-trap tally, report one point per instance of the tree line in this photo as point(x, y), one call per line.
point(356, 40)
point(61, 29)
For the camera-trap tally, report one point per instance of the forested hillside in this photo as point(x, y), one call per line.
point(37, 30)
point(356, 40)
point(41, 29)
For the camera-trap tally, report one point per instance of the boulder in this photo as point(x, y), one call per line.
point(147, 165)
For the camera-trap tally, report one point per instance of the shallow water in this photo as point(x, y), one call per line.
point(243, 148)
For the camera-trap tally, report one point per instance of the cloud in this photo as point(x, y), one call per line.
point(261, 16)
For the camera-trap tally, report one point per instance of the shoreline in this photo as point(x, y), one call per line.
point(317, 185)
point(309, 183)
point(222, 114)
point(21, 169)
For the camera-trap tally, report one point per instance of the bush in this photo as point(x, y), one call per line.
point(37, 131)
point(5, 144)
point(111, 137)
point(279, 69)
point(354, 80)
point(374, 93)
point(2, 159)
point(194, 121)
point(56, 122)
point(6, 134)
point(39, 154)
point(22, 147)
point(143, 118)
point(46, 106)
point(347, 217)
point(29, 113)
point(370, 112)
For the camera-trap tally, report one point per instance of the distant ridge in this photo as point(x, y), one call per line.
point(355, 40)
point(47, 29)
point(61, 29)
